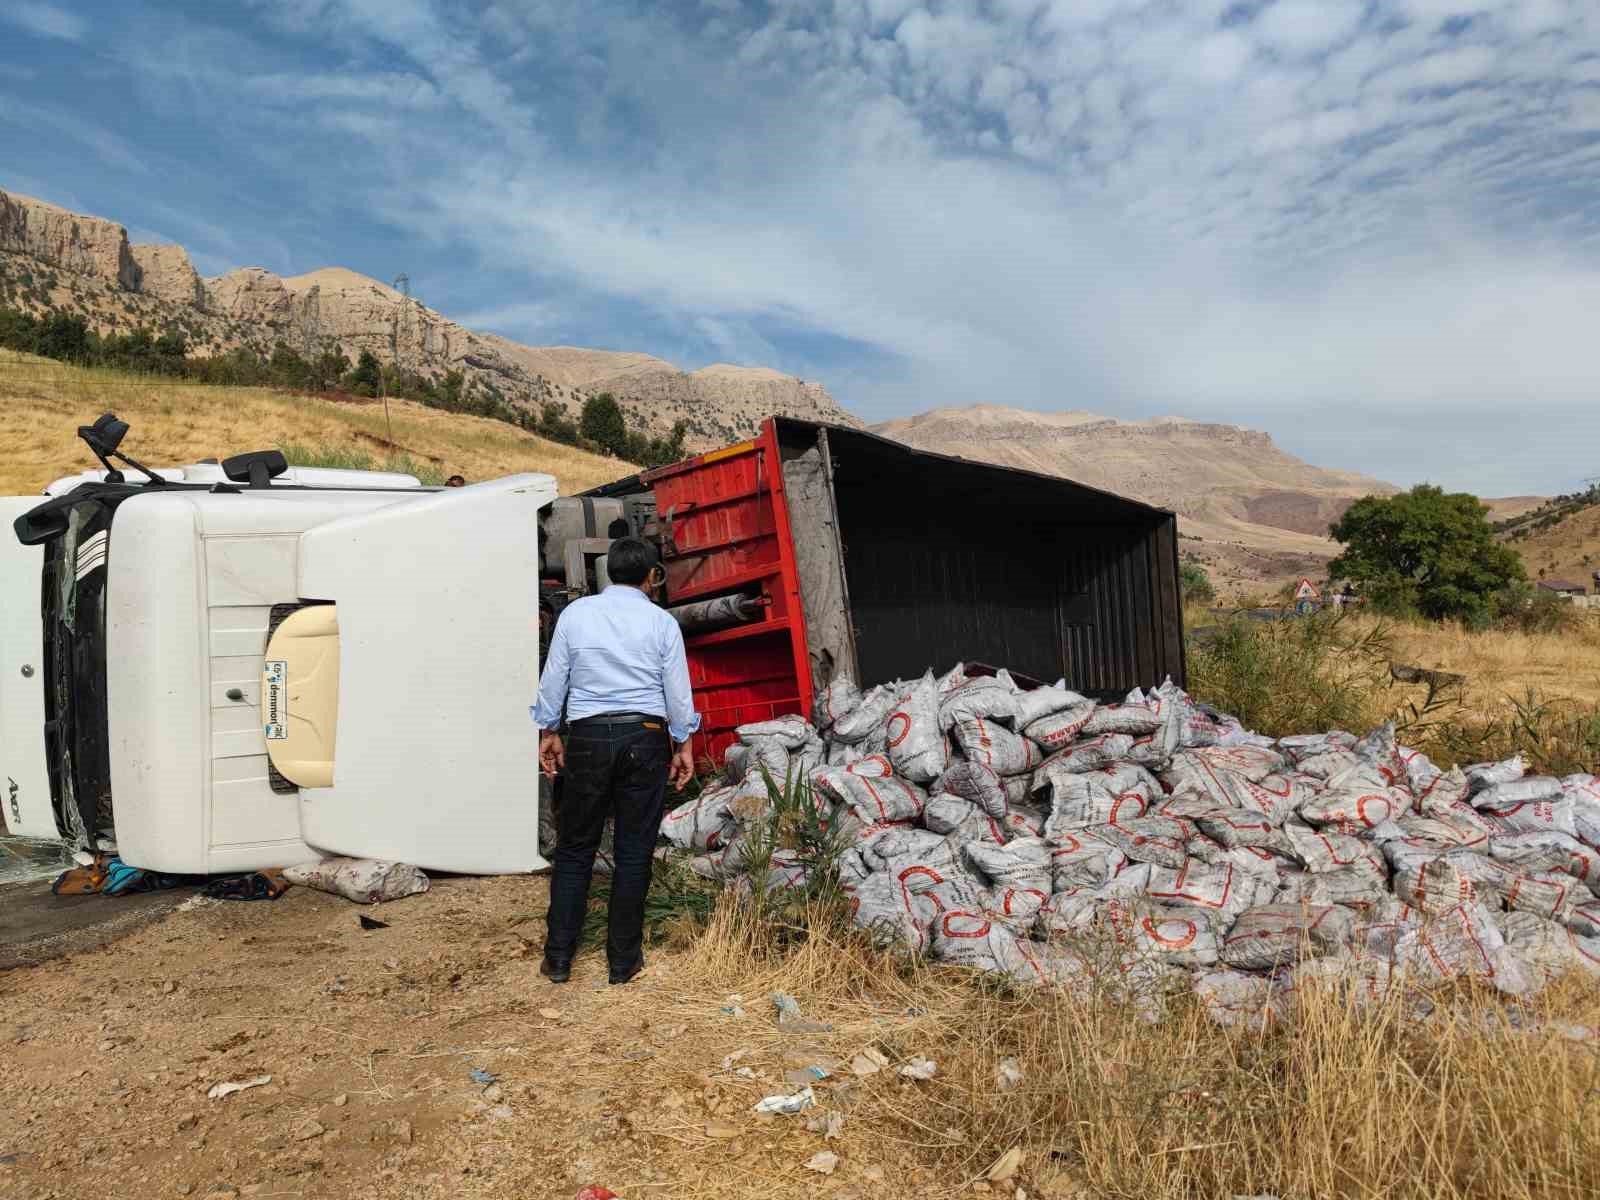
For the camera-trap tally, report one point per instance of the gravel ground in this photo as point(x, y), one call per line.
point(370, 1039)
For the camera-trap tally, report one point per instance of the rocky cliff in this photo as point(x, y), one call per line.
point(166, 273)
point(86, 264)
point(83, 245)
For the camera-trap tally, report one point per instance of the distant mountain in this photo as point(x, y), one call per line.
point(51, 258)
point(1250, 512)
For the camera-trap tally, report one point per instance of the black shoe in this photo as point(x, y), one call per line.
point(624, 974)
point(555, 972)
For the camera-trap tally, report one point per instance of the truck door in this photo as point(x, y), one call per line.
point(24, 777)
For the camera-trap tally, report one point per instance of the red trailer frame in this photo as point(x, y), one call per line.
point(726, 524)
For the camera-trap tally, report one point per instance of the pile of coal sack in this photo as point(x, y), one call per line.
point(1156, 844)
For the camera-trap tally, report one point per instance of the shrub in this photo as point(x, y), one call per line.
point(1294, 675)
point(1196, 584)
point(1526, 609)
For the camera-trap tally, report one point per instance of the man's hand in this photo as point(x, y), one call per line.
point(552, 754)
point(682, 769)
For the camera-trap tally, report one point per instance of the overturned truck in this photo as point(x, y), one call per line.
point(853, 554)
point(228, 666)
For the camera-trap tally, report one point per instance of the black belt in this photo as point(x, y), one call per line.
point(618, 720)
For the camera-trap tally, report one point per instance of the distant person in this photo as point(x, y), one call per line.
point(617, 670)
point(455, 481)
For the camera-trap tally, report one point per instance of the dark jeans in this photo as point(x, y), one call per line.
point(618, 772)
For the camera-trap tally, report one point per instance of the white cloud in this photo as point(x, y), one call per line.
point(44, 20)
point(1307, 26)
point(1328, 209)
point(37, 118)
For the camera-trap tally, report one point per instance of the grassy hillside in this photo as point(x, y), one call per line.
point(42, 403)
point(1567, 549)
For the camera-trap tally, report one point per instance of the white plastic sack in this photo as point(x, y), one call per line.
point(1195, 770)
point(1545, 947)
point(1322, 850)
point(1232, 998)
point(1223, 890)
point(836, 701)
point(1584, 792)
point(867, 717)
point(1023, 863)
point(1079, 860)
point(985, 699)
point(1546, 852)
point(1044, 702)
point(1484, 775)
point(984, 741)
point(973, 939)
point(1082, 799)
point(1272, 935)
point(881, 906)
point(1181, 937)
point(1355, 889)
point(1445, 829)
point(1354, 808)
point(1556, 814)
point(1463, 943)
point(977, 782)
point(364, 880)
point(791, 732)
point(704, 823)
point(1055, 730)
point(876, 799)
point(1134, 719)
point(1090, 754)
point(916, 746)
point(1584, 918)
point(950, 815)
point(1158, 840)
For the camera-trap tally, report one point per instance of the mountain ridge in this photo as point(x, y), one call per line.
point(1248, 511)
point(115, 283)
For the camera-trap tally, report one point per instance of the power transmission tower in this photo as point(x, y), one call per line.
point(400, 338)
point(404, 332)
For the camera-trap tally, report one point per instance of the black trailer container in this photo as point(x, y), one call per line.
point(881, 560)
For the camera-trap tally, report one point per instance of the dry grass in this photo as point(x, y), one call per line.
point(1568, 550)
point(43, 402)
point(1500, 664)
point(1341, 1101)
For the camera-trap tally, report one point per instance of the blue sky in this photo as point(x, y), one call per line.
point(1367, 226)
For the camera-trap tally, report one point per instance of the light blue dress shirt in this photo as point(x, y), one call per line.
point(616, 652)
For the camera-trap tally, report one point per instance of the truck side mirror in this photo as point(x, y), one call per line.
point(258, 468)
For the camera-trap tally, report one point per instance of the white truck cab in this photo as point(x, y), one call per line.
point(243, 665)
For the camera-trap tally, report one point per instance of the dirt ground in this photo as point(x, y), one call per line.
point(371, 1038)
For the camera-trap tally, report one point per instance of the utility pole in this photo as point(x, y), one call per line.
point(400, 338)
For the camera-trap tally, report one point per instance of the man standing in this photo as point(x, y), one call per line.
point(617, 665)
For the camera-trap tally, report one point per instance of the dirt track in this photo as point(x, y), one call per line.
point(370, 1039)
point(36, 926)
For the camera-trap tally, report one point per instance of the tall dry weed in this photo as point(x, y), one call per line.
point(1339, 1098)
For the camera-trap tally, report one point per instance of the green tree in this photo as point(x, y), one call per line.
point(1196, 584)
point(603, 425)
point(365, 378)
point(1424, 551)
point(328, 369)
point(64, 337)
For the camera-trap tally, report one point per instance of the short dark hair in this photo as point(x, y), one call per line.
point(630, 559)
